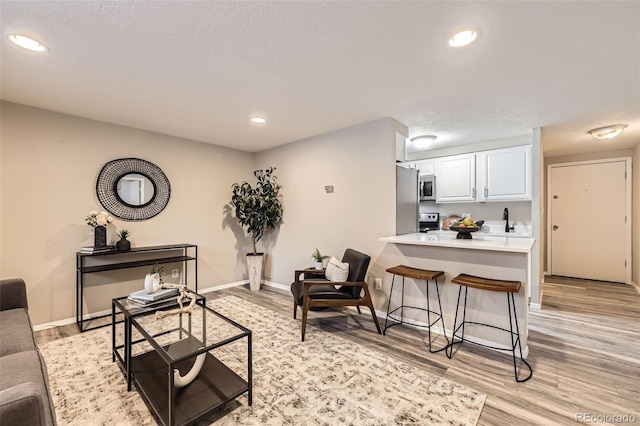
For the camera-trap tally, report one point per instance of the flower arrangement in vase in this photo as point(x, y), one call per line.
point(99, 222)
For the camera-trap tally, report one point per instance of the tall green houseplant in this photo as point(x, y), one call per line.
point(258, 208)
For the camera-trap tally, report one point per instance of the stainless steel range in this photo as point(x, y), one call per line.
point(428, 222)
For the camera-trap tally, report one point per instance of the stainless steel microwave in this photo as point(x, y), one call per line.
point(427, 188)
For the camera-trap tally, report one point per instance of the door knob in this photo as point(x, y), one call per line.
point(555, 197)
point(555, 227)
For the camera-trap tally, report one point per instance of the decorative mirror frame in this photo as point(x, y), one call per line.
point(107, 188)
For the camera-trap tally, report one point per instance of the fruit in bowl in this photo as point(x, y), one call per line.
point(467, 222)
point(464, 228)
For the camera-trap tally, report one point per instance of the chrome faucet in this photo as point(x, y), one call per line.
point(505, 217)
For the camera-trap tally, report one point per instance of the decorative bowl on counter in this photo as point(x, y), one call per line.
point(464, 233)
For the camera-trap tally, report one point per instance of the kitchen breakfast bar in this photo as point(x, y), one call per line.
point(485, 255)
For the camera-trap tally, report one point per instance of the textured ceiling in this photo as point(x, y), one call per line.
point(200, 70)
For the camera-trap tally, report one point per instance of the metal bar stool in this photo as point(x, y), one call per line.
point(509, 287)
point(418, 274)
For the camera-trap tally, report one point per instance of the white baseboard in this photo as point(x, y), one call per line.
point(62, 322)
point(277, 285)
point(222, 286)
point(537, 306)
point(635, 286)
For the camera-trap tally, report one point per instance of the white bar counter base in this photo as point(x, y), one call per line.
point(496, 257)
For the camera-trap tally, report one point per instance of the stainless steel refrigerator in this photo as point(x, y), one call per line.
point(407, 203)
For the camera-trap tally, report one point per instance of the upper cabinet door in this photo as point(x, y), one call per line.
point(426, 167)
point(456, 178)
point(505, 174)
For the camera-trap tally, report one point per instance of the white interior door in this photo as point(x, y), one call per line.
point(130, 191)
point(588, 229)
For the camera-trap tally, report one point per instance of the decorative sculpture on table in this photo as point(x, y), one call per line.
point(178, 380)
point(153, 280)
point(182, 381)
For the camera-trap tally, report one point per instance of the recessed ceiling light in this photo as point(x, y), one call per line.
point(423, 141)
point(608, 132)
point(28, 43)
point(463, 38)
point(258, 120)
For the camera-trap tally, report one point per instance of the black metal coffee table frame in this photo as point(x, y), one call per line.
point(152, 371)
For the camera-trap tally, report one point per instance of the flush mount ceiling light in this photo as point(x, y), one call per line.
point(423, 141)
point(607, 132)
point(258, 120)
point(27, 43)
point(463, 38)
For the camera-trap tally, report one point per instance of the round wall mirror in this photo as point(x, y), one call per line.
point(133, 189)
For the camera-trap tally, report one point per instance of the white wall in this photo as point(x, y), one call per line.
point(360, 164)
point(48, 168)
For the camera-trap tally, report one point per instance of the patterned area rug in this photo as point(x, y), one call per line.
point(326, 380)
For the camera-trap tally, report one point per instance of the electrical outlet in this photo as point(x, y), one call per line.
point(175, 274)
point(377, 283)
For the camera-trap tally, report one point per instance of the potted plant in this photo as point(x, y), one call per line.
point(318, 257)
point(123, 244)
point(257, 209)
point(153, 280)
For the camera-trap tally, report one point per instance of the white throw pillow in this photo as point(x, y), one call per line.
point(337, 271)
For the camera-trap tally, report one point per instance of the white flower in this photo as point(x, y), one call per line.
point(94, 219)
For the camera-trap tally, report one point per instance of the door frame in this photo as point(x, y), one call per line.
point(628, 217)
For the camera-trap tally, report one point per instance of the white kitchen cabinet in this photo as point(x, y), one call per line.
point(455, 178)
point(504, 174)
point(426, 167)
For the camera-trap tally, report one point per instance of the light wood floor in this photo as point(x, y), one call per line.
point(584, 349)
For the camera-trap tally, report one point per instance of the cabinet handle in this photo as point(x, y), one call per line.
point(473, 193)
point(486, 192)
point(555, 227)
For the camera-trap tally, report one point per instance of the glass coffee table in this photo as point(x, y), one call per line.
point(149, 348)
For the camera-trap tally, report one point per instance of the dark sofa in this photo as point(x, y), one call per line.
point(24, 386)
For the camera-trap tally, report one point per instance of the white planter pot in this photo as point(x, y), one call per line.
point(254, 265)
point(151, 283)
point(319, 265)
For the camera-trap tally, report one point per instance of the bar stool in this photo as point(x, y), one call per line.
point(418, 274)
point(508, 287)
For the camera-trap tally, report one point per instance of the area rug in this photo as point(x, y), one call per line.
point(326, 380)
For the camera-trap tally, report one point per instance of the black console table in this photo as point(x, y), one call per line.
point(126, 259)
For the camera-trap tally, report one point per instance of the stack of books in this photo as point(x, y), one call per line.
point(92, 249)
point(143, 298)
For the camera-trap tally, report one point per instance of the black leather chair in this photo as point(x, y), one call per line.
point(314, 290)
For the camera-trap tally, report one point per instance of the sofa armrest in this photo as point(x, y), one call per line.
point(13, 294)
point(22, 404)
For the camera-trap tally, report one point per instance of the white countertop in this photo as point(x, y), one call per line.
point(480, 241)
